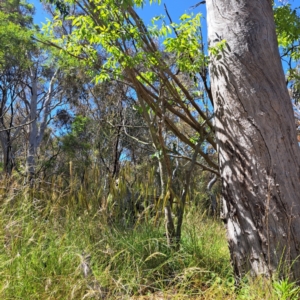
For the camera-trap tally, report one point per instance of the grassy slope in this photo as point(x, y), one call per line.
point(49, 239)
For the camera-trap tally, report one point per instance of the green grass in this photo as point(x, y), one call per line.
point(48, 234)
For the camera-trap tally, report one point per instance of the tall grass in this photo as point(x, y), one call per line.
point(58, 244)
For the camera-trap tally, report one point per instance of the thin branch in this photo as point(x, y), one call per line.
point(197, 163)
point(48, 43)
point(14, 127)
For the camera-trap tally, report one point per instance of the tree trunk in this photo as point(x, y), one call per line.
point(255, 129)
point(36, 128)
point(8, 162)
point(33, 129)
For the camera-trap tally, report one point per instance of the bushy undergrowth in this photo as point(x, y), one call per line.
point(58, 246)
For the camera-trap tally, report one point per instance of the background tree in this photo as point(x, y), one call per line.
point(27, 84)
point(15, 30)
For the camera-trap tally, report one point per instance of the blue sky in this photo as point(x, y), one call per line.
point(149, 11)
point(176, 9)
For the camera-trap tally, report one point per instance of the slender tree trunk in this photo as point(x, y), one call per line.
point(212, 196)
point(33, 129)
point(8, 162)
point(258, 152)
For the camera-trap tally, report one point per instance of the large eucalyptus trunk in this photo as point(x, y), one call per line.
point(258, 152)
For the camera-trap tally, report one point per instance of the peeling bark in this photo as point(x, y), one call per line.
point(258, 152)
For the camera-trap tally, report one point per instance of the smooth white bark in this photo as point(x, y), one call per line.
point(36, 129)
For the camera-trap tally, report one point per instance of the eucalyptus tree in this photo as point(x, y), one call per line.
point(28, 84)
point(259, 156)
point(15, 42)
point(41, 99)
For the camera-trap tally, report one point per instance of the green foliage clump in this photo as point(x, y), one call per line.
point(287, 22)
point(15, 40)
point(287, 27)
point(76, 144)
